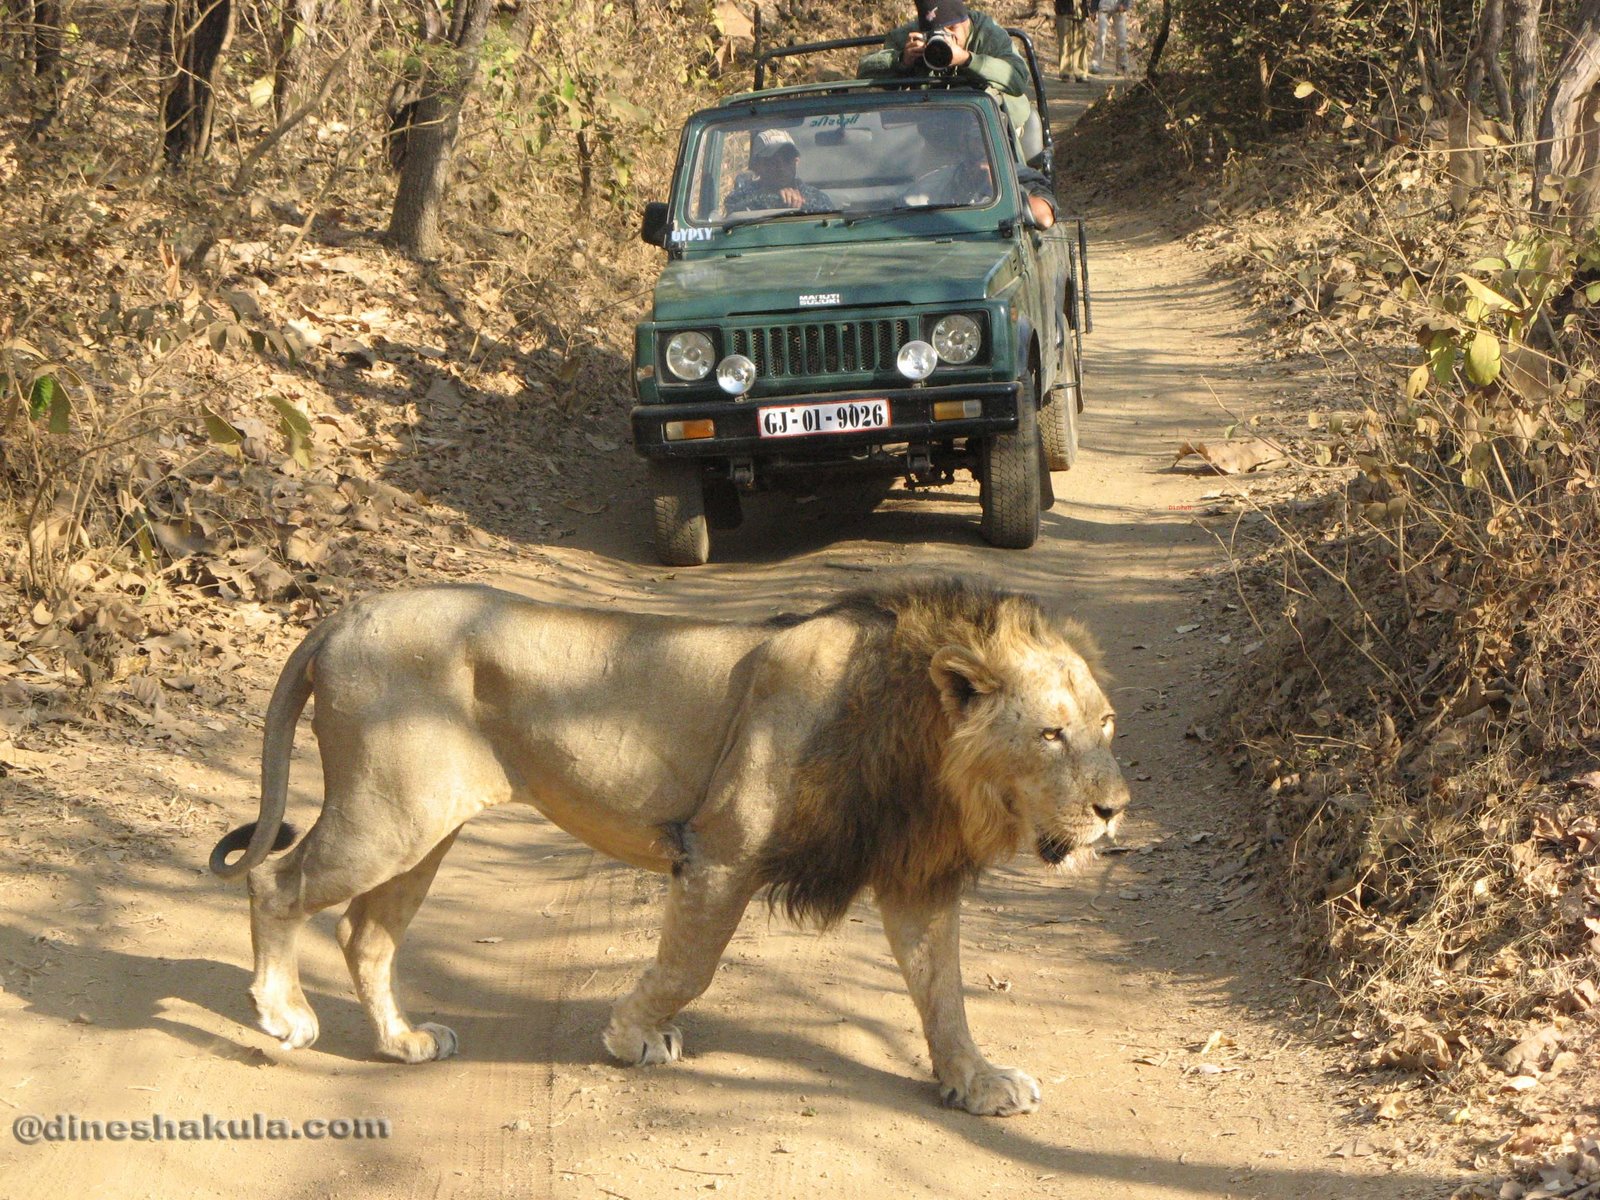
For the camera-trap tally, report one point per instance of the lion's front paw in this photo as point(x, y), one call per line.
point(293, 1024)
point(995, 1092)
point(423, 1044)
point(641, 1047)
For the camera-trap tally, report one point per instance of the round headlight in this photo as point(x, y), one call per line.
point(957, 338)
point(916, 360)
point(735, 374)
point(690, 355)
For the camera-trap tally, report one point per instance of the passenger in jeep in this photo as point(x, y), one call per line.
point(957, 169)
point(774, 179)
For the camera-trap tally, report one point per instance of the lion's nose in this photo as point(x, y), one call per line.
point(1105, 811)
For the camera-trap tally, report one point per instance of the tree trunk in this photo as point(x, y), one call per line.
point(300, 30)
point(1485, 63)
point(41, 49)
point(1163, 31)
point(1569, 128)
point(430, 136)
point(1464, 162)
point(522, 26)
point(1264, 80)
point(197, 33)
point(1525, 75)
point(401, 105)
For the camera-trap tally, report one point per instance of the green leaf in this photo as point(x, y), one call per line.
point(1303, 89)
point(291, 415)
point(1483, 358)
point(626, 109)
point(61, 411)
point(223, 434)
point(1442, 362)
point(296, 430)
point(1416, 382)
point(147, 547)
point(42, 396)
point(259, 93)
point(1486, 294)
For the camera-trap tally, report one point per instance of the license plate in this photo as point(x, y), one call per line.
point(845, 416)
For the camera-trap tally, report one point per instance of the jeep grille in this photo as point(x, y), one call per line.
point(823, 347)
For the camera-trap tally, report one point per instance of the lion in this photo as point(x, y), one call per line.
point(896, 742)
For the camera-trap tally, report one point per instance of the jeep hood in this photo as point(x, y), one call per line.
point(833, 276)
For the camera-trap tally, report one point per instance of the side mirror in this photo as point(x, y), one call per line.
point(653, 228)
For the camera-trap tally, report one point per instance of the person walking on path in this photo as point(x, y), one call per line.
point(1113, 16)
point(1072, 38)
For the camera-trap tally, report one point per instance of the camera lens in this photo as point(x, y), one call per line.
point(939, 53)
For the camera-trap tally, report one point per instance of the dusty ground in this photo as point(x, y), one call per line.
point(1149, 994)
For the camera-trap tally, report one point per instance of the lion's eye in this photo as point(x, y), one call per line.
point(1051, 735)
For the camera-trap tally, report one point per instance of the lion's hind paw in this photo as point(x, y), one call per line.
point(996, 1092)
point(644, 1047)
point(423, 1044)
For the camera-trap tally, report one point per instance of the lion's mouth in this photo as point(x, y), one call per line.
point(1054, 848)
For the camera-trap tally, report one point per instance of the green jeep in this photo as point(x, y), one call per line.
point(857, 291)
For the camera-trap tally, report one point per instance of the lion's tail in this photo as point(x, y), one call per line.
point(268, 832)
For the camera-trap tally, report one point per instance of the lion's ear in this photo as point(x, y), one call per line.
point(961, 676)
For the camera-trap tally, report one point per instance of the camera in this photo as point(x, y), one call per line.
point(939, 51)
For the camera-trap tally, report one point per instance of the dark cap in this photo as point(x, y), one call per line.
point(940, 14)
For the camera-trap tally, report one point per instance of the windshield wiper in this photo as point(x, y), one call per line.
point(782, 215)
point(900, 209)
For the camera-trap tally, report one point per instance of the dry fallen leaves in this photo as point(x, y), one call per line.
point(1234, 457)
point(1393, 1106)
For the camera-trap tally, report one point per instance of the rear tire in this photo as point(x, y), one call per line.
point(681, 534)
point(1010, 492)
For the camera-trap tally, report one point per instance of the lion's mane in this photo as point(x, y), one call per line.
point(884, 796)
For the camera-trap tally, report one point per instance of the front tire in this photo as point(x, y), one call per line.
point(1058, 427)
point(681, 534)
point(1010, 492)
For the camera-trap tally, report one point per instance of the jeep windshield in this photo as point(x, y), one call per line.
point(867, 160)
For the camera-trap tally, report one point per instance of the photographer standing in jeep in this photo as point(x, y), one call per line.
point(949, 37)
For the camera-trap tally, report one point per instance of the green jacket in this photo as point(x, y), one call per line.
point(994, 58)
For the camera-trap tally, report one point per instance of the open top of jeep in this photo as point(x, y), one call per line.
point(857, 291)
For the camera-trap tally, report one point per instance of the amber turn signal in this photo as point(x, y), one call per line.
point(689, 431)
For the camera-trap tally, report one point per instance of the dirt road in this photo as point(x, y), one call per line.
point(1145, 994)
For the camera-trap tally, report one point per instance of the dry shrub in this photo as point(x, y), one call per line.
point(217, 384)
point(1426, 710)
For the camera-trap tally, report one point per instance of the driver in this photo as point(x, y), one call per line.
point(774, 178)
